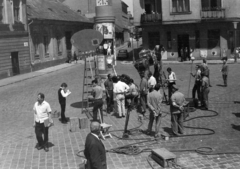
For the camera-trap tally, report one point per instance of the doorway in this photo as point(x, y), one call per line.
point(183, 47)
point(15, 63)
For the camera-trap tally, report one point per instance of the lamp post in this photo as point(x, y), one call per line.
point(235, 39)
point(132, 26)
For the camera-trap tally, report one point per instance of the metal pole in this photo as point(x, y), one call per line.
point(133, 51)
point(235, 43)
point(190, 79)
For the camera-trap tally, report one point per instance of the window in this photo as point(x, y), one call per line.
point(180, 6)
point(36, 47)
point(211, 5)
point(59, 45)
point(17, 10)
point(197, 39)
point(169, 40)
point(45, 43)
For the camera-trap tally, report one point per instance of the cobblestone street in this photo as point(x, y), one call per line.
point(220, 126)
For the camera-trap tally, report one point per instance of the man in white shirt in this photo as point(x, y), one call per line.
point(42, 110)
point(151, 81)
point(120, 88)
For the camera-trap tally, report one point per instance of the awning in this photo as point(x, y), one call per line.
point(118, 26)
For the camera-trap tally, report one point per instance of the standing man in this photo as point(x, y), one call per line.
point(154, 101)
point(151, 81)
point(95, 152)
point(97, 93)
point(143, 92)
point(197, 85)
point(205, 92)
point(224, 71)
point(42, 111)
point(120, 88)
point(171, 81)
point(205, 71)
point(177, 110)
point(109, 90)
point(62, 94)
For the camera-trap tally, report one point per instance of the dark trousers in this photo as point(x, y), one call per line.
point(110, 101)
point(157, 121)
point(224, 79)
point(196, 88)
point(40, 130)
point(177, 123)
point(143, 100)
point(63, 108)
point(97, 105)
point(205, 93)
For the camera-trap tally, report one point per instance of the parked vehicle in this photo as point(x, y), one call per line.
point(122, 54)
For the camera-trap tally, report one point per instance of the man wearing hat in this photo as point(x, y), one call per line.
point(177, 103)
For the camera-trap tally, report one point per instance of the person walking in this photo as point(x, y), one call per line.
point(63, 93)
point(97, 93)
point(143, 88)
point(42, 112)
point(197, 84)
point(120, 88)
point(171, 81)
point(109, 91)
point(224, 71)
point(94, 151)
point(205, 92)
point(177, 109)
point(154, 100)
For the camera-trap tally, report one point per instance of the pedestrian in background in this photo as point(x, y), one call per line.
point(97, 93)
point(177, 111)
point(42, 112)
point(205, 92)
point(120, 88)
point(171, 81)
point(197, 84)
point(151, 81)
point(129, 44)
point(94, 151)
point(109, 92)
point(143, 87)
point(224, 71)
point(154, 100)
point(63, 93)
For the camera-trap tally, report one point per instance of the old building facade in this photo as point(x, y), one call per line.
point(14, 55)
point(209, 27)
point(51, 25)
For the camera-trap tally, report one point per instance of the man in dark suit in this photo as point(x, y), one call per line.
point(94, 149)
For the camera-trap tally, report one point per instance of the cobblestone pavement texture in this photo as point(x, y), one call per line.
point(17, 137)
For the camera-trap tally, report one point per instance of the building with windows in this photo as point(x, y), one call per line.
point(14, 55)
point(51, 26)
point(209, 27)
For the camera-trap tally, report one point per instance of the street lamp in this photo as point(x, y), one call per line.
point(235, 39)
point(132, 26)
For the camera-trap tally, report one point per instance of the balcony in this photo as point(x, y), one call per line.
point(148, 18)
point(215, 13)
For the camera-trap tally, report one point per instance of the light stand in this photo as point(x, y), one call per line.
point(192, 59)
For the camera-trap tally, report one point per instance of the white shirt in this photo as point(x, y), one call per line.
point(152, 81)
point(95, 135)
point(65, 94)
point(120, 87)
point(172, 77)
point(41, 111)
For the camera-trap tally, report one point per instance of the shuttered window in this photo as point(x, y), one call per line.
point(180, 6)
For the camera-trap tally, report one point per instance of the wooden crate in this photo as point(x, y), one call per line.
point(74, 124)
point(83, 122)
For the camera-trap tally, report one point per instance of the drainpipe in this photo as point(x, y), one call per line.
point(30, 44)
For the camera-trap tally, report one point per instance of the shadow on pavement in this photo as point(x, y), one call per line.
point(237, 114)
point(220, 85)
point(167, 130)
point(236, 127)
point(80, 104)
